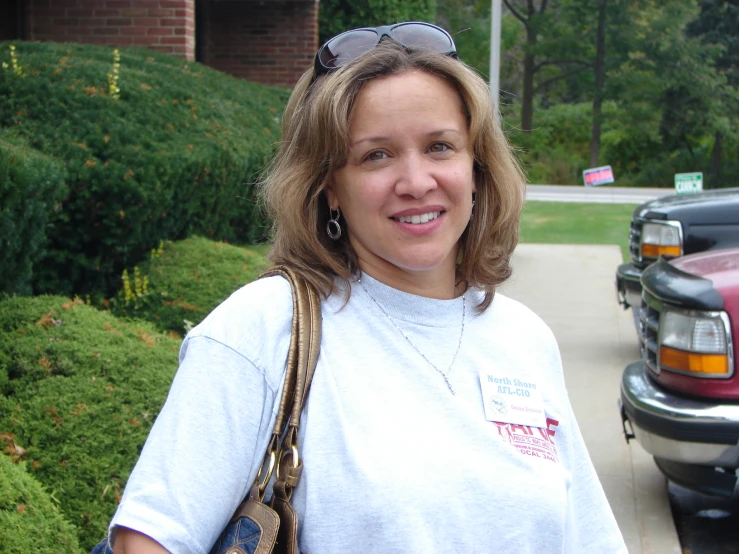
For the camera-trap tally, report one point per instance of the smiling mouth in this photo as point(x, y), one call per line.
point(416, 219)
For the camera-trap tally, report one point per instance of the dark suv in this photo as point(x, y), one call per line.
point(672, 226)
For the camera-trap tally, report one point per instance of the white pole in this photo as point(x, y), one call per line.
point(495, 17)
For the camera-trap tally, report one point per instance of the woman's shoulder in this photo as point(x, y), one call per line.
point(258, 312)
point(517, 315)
point(519, 332)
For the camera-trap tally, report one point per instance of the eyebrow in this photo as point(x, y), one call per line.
point(382, 138)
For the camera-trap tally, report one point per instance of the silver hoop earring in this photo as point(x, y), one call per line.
point(332, 227)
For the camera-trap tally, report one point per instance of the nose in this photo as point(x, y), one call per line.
point(415, 176)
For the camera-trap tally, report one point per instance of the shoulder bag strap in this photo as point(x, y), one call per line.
point(305, 343)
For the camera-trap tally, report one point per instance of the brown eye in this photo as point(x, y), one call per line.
point(439, 147)
point(376, 156)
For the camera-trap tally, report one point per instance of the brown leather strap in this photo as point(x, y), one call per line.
point(279, 521)
point(305, 344)
point(309, 347)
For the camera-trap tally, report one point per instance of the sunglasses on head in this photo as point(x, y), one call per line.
point(412, 35)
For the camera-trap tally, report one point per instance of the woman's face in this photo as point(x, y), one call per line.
point(406, 189)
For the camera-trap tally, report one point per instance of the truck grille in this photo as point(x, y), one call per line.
point(649, 316)
point(635, 239)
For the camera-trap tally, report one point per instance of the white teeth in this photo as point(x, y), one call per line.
point(416, 219)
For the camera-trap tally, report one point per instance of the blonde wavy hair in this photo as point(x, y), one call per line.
point(315, 132)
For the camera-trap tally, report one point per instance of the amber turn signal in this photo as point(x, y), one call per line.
point(656, 250)
point(713, 364)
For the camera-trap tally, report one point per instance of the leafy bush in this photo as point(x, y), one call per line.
point(558, 149)
point(337, 16)
point(183, 281)
point(31, 185)
point(176, 154)
point(79, 390)
point(29, 520)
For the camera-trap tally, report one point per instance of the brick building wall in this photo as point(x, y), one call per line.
point(272, 41)
point(164, 25)
point(268, 41)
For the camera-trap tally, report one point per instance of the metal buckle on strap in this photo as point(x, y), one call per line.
point(293, 452)
point(263, 476)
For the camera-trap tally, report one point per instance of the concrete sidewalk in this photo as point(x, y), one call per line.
point(572, 289)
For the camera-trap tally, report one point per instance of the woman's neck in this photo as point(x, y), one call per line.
point(437, 284)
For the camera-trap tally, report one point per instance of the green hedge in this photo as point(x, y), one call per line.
point(185, 280)
point(79, 390)
point(29, 519)
point(31, 185)
point(177, 154)
point(336, 16)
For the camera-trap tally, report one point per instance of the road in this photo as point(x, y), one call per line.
point(705, 524)
point(602, 194)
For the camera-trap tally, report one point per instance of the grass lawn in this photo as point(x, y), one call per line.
point(577, 223)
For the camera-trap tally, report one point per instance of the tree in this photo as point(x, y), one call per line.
point(337, 16)
point(529, 18)
point(718, 23)
point(555, 58)
point(666, 89)
point(599, 68)
point(469, 23)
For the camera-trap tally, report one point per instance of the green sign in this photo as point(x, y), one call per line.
point(687, 183)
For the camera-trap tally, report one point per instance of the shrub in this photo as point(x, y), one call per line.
point(185, 280)
point(79, 390)
point(558, 149)
point(176, 154)
point(29, 519)
point(31, 185)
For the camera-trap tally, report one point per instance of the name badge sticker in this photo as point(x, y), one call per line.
point(509, 399)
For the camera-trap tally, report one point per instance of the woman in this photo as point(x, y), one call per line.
point(438, 419)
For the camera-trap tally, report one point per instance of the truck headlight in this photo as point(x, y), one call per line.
point(695, 342)
point(664, 237)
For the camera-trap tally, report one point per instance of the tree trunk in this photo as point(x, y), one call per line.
point(715, 180)
point(527, 99)
point(600, 71)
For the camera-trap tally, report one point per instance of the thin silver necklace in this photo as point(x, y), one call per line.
point(459, 344)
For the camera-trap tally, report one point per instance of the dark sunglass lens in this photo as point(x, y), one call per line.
point(416, 35)
point(344, 48)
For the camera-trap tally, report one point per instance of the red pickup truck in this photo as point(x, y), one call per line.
point(681, 400)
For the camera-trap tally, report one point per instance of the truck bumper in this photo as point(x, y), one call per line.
point(689, 438)
point(628, 285)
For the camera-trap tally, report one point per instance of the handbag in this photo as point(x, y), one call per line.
point(259, 527)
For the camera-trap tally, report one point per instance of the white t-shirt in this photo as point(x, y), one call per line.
point(394, 462)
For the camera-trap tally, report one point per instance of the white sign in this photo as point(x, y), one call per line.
point(688, 183)
point(509, 399)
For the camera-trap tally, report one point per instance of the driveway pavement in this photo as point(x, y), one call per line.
point(572, 289)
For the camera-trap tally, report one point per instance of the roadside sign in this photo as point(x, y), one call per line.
point(687, 183)
point(598, 176)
